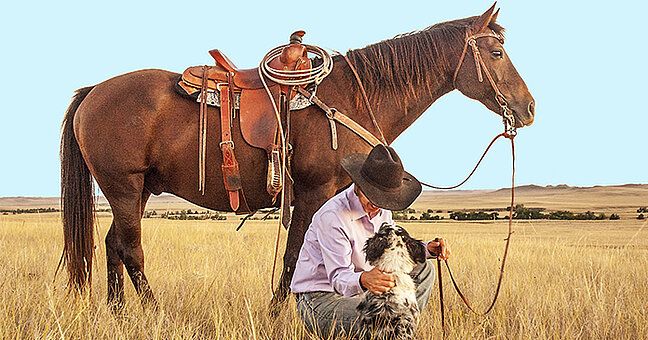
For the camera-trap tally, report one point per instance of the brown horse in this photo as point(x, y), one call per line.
point(136, 136)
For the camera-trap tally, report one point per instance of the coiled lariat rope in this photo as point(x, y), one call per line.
point(297, 77)
point(290, 78)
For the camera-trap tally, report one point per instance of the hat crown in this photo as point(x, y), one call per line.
point(383, 168)
point(381, 178)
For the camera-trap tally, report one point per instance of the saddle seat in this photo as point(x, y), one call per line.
point(293, 57)
point(247, 79)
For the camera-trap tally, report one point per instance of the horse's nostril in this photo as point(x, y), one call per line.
point(532, 108)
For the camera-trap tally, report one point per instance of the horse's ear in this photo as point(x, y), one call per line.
point(494, 17)
point(482, 22)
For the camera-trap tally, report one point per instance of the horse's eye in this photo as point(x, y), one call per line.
point(497, 54)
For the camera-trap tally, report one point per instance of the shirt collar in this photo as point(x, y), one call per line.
point(355, 208)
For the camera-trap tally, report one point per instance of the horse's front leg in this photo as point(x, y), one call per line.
point(306, 204)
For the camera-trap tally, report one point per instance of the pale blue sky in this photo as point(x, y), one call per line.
point(584, 62)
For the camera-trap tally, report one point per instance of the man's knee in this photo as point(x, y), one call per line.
point(327, 314)
point(423, 276)
point(423, 273)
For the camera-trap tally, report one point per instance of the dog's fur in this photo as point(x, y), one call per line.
point(394, 314)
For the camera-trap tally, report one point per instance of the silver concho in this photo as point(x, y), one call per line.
point(213, 99)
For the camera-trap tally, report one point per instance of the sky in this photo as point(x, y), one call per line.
point(582, 61)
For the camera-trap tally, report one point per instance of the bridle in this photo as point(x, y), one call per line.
point(471, 40)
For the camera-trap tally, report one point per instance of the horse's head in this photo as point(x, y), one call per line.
point(484, 69)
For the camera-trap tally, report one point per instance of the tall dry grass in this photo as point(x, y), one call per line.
point(564, 280)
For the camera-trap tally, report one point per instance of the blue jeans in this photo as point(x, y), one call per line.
point(329, 313)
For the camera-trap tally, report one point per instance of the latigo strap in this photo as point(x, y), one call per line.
point(230, 167)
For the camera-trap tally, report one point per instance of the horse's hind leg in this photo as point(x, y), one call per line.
point(115, 269)
point(124, 240)
point(139, 279)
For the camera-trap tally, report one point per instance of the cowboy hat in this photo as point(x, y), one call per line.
point(381, 177)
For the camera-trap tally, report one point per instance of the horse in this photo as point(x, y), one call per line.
point(136, 136)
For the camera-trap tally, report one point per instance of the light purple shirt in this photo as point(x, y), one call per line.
point(331, 258)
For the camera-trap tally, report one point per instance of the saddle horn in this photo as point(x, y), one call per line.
point(297, 37)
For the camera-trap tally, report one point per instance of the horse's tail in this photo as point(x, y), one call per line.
point(77, 200)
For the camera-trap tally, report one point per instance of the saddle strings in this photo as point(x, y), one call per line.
point(202, 136)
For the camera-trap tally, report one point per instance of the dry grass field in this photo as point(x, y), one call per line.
point(563, 280)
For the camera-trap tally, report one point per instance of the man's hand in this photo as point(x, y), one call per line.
point(440, 248)
point(376, 281)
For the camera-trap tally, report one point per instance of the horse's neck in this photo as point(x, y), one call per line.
point(395, 114)
point(394, 119)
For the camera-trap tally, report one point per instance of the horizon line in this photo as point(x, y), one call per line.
point(549, 186)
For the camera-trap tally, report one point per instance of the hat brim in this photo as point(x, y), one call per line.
point(391, 200)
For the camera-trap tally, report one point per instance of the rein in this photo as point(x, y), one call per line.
point(506, 247)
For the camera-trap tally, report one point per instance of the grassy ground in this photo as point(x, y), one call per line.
point(564, 280)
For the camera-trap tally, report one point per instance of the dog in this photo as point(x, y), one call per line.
point(394, 314)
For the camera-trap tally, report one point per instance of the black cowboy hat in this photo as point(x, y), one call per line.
point(381, 177)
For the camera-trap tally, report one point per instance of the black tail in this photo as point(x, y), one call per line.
point(77, 200)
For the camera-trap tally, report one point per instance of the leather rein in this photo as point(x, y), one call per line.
point(509, 132)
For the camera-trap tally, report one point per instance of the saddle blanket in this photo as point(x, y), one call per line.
point(213, 99)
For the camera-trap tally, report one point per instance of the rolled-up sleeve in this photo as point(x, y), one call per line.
point(428, 255)
point(336, 253)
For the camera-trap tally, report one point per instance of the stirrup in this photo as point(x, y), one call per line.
point(274, 180)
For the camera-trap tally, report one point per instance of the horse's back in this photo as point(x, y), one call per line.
point(125, 95)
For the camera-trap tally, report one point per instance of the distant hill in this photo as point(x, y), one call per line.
point(554, 197)
point(156, 202)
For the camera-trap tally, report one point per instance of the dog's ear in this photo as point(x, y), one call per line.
point(375, 247)
point(416, 249)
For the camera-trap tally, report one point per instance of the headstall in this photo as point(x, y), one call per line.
point(471, 40)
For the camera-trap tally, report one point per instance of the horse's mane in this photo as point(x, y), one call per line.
point(410, 61)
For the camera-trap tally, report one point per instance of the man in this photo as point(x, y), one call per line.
point(331, 271)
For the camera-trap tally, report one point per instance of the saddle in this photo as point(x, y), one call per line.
point(259, 103)
point(257, 115)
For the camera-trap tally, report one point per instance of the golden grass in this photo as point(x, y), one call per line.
point(564, 280)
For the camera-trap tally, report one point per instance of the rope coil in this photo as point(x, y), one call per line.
point(297, 77)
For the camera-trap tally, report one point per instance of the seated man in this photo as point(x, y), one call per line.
point(331, 271)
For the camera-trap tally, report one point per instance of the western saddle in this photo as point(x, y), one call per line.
point(261, 104)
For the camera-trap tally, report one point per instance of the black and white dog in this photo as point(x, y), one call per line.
point(394, 314)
